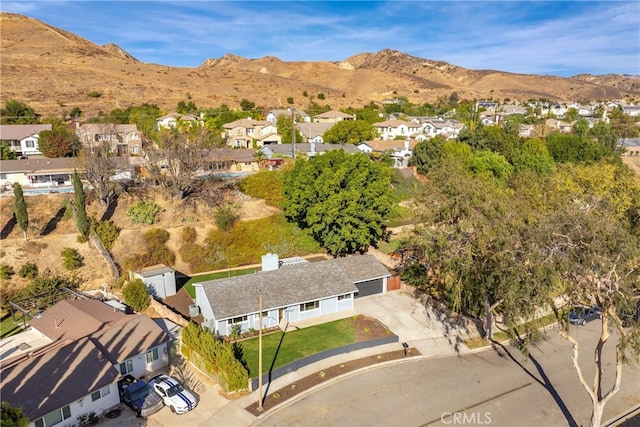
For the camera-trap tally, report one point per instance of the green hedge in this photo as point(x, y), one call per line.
point(219, 357)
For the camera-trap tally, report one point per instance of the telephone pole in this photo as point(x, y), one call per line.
point(260, 408)
point(293, 134)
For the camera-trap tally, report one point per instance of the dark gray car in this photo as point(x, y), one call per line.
point(582, 315)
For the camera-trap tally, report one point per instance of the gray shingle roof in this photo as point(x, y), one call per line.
point(18, 132)
point(294, 284)
point(55, 376)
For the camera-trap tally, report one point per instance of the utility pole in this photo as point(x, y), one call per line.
point(260, 408)
point(293, 133)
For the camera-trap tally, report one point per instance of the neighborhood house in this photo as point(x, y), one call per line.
point(68, 363)
point(290, 290)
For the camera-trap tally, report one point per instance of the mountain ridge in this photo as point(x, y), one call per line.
point(54, 70)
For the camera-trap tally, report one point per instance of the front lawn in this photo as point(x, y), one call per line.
point(8, 327)
point(281, 348)
point(189, 281)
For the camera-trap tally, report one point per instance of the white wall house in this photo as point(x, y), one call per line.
point(160, 280)
point(392, 129)
point(89, 346)
point(250, 133)
point(289, 293)
point(23, 139)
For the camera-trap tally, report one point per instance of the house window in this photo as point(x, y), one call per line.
point(264, 314)
point(135, 149)
point(126, 367)
point(55, 417)
point(152, 355)
point(29, 143)
point(100, 393)
point(307, 306)
point(343, 297)
point(237, 320)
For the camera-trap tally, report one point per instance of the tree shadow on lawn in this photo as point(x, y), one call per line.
point(544, 380)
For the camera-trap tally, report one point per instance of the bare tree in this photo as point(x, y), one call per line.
point(180, 160)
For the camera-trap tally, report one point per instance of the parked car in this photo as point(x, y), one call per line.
point(629, 317)
point(582, 315)
point(138, 395)
point(174, 395)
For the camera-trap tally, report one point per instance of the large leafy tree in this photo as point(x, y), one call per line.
point(60, 141)
point(283, 125)
point(350, 132)
point(596, 255)
point(17, 113)
point(20, 209)
point(342, 199)
point(428, 153)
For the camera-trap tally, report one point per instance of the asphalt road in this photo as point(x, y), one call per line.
point(497, 387)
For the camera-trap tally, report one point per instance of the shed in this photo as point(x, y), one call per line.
point(160, 280)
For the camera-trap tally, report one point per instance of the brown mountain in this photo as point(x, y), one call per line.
point(53, 71)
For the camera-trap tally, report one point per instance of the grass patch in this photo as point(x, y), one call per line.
point(500, 336)
point(8, 327)
point(296, 344)
point(405, 185)
point(404, 216)
point(390, 246)
point(189, 281)
point(247, 241)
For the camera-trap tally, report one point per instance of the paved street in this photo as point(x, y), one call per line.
point(496, 387)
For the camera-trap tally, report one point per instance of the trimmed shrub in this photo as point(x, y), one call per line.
point(143, 212)
point(6, 271)
point(226, 216)
point(189, 235)
point(71, 259)
point(107, 232)
point(28, 271)
point(135, 295)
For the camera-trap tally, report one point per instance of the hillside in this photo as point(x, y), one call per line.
point(53, 71)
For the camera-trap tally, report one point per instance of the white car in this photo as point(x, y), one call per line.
point(176, 397)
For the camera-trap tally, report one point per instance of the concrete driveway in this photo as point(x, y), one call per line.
point(430, 329)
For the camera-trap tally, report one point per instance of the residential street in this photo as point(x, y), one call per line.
point(496, 387)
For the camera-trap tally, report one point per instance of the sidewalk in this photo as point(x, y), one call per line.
point(423, 328)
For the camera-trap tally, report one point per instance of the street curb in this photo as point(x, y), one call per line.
point(622, 417)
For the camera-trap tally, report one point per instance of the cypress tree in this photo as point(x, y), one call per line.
point(82, 221)
point(20, 209)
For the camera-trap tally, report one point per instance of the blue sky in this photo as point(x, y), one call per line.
point(560, 38)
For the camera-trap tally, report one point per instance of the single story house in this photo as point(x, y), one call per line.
point(288, 292)
point(332, 116)
point(309, 149)
point(23, 139)
point(630, 146)
point(91, 346)
point(37, 172)
point(160, 280)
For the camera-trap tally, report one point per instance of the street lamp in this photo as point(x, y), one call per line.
point(293, 134)
point(260, 408)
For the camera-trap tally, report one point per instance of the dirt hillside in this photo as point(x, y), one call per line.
point(54, 71)
point(49, 236)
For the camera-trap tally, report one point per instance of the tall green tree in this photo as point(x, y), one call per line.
point(17, 113)
point(135, 295)
point(20, 209)
point(350, 132)
point(343, 199)
point(428, 153)
point(82, 220)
